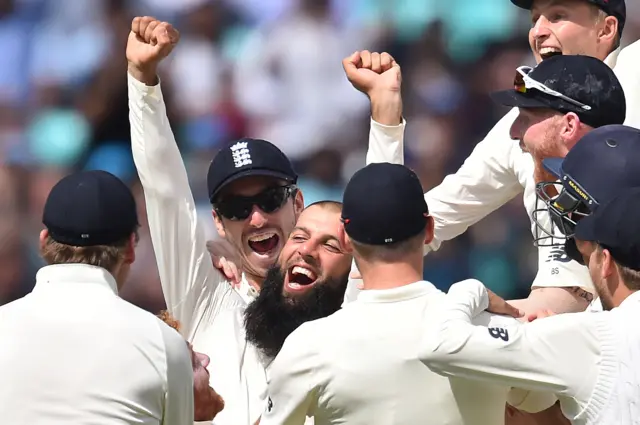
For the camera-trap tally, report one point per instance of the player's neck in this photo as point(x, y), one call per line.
point(390, 275)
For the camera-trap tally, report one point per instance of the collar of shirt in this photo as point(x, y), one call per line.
point(631, 300)
point(75, 274)
point(245, 290)
point(612, 59)
point(401, 293)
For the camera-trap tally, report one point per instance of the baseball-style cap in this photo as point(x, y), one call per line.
point(90, 208)
point(615, 226)
point(603, 163)
point(248, 157)
point(615, 8)
point(382, 204)
point(569, 83)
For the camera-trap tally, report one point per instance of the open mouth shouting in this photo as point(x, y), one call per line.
point(549, 52)
point(264, 243)
point(300, 278)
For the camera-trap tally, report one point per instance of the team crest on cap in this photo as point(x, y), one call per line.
point(241, 154)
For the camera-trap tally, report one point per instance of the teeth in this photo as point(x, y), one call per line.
point(549, 50)
point(294, 285)
point(261, 237)
point(302, 270)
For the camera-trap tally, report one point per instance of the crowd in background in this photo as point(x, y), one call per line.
point(261, 68)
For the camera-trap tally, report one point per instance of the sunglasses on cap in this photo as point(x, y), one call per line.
point(235, 207)
point(523, 83)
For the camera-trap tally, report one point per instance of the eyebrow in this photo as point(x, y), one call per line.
point(305, 230)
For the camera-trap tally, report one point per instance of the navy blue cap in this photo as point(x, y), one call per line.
point(615, 226)
point(248, 157)
point(384, 203)
point(581, 78)
point(615, 8)
point(603, 163)
point(90, 208)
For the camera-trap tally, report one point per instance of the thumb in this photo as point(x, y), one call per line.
point(350, 63)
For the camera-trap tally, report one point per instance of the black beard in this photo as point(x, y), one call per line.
point(272, 316)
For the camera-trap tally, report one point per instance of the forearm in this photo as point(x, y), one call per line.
point(558, 300)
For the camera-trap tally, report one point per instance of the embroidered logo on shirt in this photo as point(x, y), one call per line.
point(501, 333)
point(558, 254)
point(241, 155)
point(269, 405)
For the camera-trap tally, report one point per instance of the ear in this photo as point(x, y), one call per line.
point(130, 254)
point(429, 231)
point(219, 225)
point(298, 203)
point(608, 265)
point(44, 234)
point(608, 31)
point(571, 130)
point(344, 239)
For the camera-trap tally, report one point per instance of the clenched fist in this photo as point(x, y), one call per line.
point(150, 41)
point(378, 76)
point(373, 72)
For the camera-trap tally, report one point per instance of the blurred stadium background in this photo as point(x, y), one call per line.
point(266, 68)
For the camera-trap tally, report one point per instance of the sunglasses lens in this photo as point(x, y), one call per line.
point(272, 199)
point(239, 208)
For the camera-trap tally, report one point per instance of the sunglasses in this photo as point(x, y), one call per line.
point(523, 83)
point(239, 207)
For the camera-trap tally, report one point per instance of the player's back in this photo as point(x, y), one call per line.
point(76, 353)
point(372, 373)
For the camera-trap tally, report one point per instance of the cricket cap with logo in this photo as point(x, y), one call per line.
point(244, 158)
point(384, 203)
point(615, 8)
point(582, 79)
point(90, 208)
point(615, 227)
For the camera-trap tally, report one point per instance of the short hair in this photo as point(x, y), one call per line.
point(392, 252)
point(104, 256)
point(630, 277)
point(327, 205)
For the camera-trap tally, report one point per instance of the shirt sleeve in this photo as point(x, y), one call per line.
point(292, 389)
point(178, 408)
point(189, 280)
point(557, 270)
point(626, 70)
point(386, 144)
point(485, 181)
point(560, 354)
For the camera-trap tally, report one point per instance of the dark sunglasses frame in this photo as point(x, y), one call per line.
point(270, 200)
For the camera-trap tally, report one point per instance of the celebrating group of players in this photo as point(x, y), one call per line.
point(320, 314)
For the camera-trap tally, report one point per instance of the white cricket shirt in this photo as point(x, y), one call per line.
point(591, 361)
point(497, 171)
point(361, 366)
point(199, 296)
point(73, 352)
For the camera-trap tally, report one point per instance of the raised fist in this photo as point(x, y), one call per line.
point(150, 41)
point(373, 72)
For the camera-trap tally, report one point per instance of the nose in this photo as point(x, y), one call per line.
point(515, 132)
point(204, 359)
point(541, 29)
point(258, 218)
point(309, 250)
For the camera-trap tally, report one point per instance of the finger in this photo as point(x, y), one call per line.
point(365, 57)
point(163, 34)
point(350, 63)
point(150, 34)
point(217, 261)
point(360, 286)
point(376, 65)
point(512, 311)
point(386, 61)
point(235, 272)
point(135, 25)
point(144, 23)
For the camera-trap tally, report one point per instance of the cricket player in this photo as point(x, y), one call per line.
point(498, 169)
point(602, 164)
point(74, 352)
point(360, 365)
point(256, 206)
point(589, 360)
